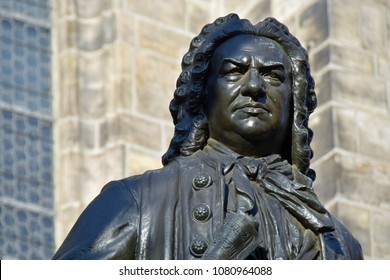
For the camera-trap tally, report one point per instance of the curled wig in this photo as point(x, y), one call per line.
point(187, 106)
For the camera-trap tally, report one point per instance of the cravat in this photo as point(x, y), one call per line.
point(274, 176)
point(244, 175)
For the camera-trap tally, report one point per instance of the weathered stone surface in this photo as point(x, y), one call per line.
point(119, 78)
point(350, 58)
point(139, 162)
point(344, 25)
point(66, 34)
point(320, 59)
point(68, 134)
point(68, 68)
point(67, 100)
point(160, 39)
point(292, 24)
point(66, 217)
point(322, 125)
point(109, 131)
point(126, 27)
point(313, 24)
point(172, 13)
point(346, 132)
point(122, 56)
point(109, 28)
point(109, 4)
point(132, 129)
point(374, 135)
point(64, 8)
point(360, 89)
point(88, 8)
point(156, 78)
point(88, 131)
point(168, 132)
point(68, 191)
point(384, 66)
point(323, 88)
point(388, 32)
point(111, 93)
point(92, 103)
point(281, 10)
point(98, 169)
point(90, 35)
point(365, 181)
point(372, 33)
point(110, 68)
point(257, 13)
point(90, 69)
point(381, 231)
point(124, 94)
point(197, 13)
point(357, 220)
point(384, 3)
point(325, 188)
point(235, 6)
point(92, 98)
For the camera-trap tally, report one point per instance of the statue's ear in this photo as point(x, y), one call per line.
point(311, 101)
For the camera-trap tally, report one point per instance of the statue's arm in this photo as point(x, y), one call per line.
point(107, 229)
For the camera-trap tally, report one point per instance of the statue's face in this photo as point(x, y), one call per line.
point(249, 90)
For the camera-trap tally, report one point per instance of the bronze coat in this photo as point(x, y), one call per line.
point(155, 216)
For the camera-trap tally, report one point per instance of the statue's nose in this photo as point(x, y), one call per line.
point(254, 84)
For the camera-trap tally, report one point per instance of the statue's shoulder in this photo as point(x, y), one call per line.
point(163, 176)
point(351, 244)
point(167, 177)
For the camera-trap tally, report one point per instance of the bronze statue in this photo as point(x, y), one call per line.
point(236, 181)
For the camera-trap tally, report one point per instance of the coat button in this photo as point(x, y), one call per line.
point(198, 247)
point(201, 181)
point(201, 212)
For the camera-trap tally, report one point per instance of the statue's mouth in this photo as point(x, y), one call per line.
point(254, 108)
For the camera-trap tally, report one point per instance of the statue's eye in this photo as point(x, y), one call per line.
point(234, 73)
point(274, 76)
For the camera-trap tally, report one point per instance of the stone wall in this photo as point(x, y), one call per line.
point(352, 70)
point(115, 67)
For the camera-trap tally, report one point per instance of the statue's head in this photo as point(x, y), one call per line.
point(219, 92)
